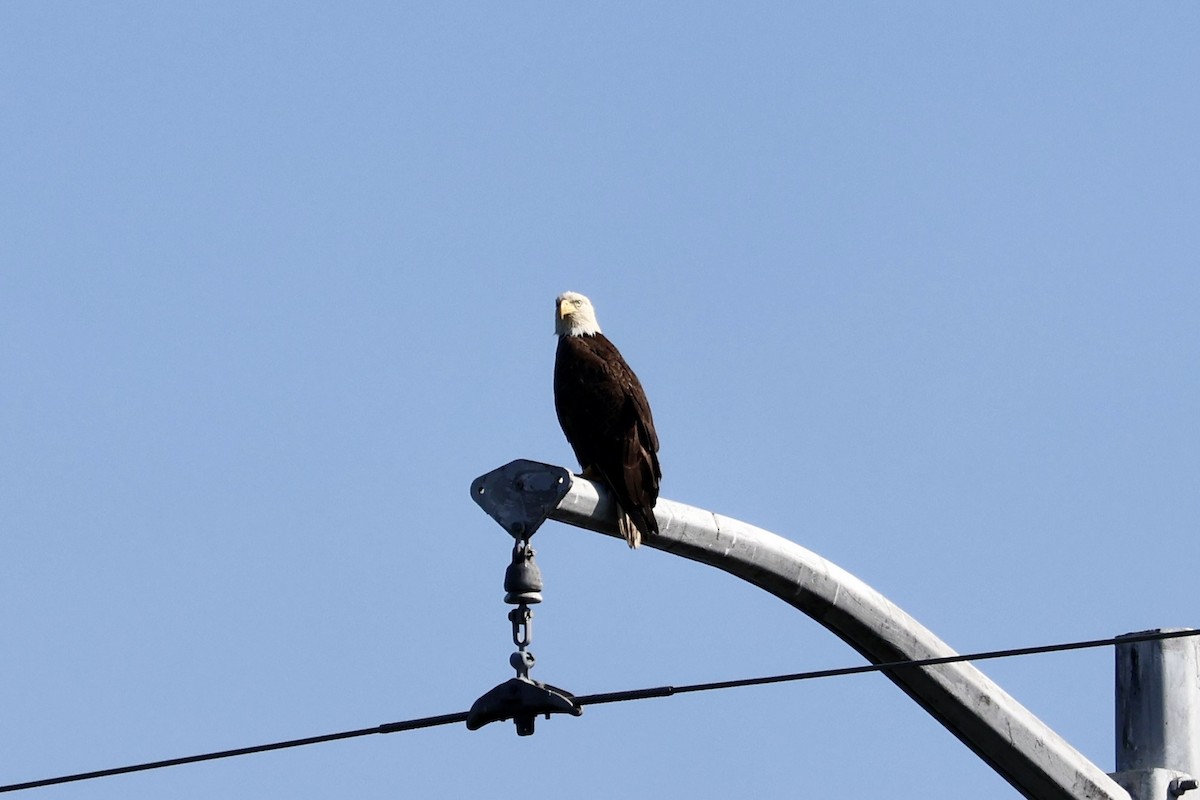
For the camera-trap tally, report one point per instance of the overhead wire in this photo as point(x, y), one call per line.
point(390, 727)
point(668, 691)
point(614, 697)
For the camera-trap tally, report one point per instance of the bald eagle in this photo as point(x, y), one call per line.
point(605, 417)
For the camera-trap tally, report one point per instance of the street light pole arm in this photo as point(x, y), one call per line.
point(1029, 755)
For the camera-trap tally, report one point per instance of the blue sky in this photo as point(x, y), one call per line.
point(915, 287)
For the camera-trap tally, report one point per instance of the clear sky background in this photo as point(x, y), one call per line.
point(915, 286)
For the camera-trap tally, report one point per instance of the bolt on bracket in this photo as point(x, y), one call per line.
point(1182, 784)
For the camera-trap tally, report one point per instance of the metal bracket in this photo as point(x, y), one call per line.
point(521, 700)
point(521, 495)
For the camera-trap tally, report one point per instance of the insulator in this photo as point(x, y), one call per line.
point(523, 578)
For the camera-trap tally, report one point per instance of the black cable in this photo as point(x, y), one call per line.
point(667, 691)
point(611, 697)
point(391, 727)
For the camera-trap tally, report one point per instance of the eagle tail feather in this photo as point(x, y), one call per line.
point(625, 526)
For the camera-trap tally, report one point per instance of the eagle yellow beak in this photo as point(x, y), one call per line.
point(565, 307)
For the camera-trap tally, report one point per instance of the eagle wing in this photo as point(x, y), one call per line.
point(607, 421)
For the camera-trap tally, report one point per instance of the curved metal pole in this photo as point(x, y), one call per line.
point(1038, 762)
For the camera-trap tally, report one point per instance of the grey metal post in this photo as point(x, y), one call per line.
point(1158, 717)
point(1010, 739)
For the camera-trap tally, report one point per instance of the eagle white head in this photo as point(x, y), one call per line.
point(574, 315)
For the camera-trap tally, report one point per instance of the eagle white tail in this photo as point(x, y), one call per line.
point(625, 525)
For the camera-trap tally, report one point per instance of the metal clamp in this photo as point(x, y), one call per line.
point(520, 505)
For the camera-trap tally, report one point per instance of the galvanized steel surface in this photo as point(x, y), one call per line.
point(1157, 727)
